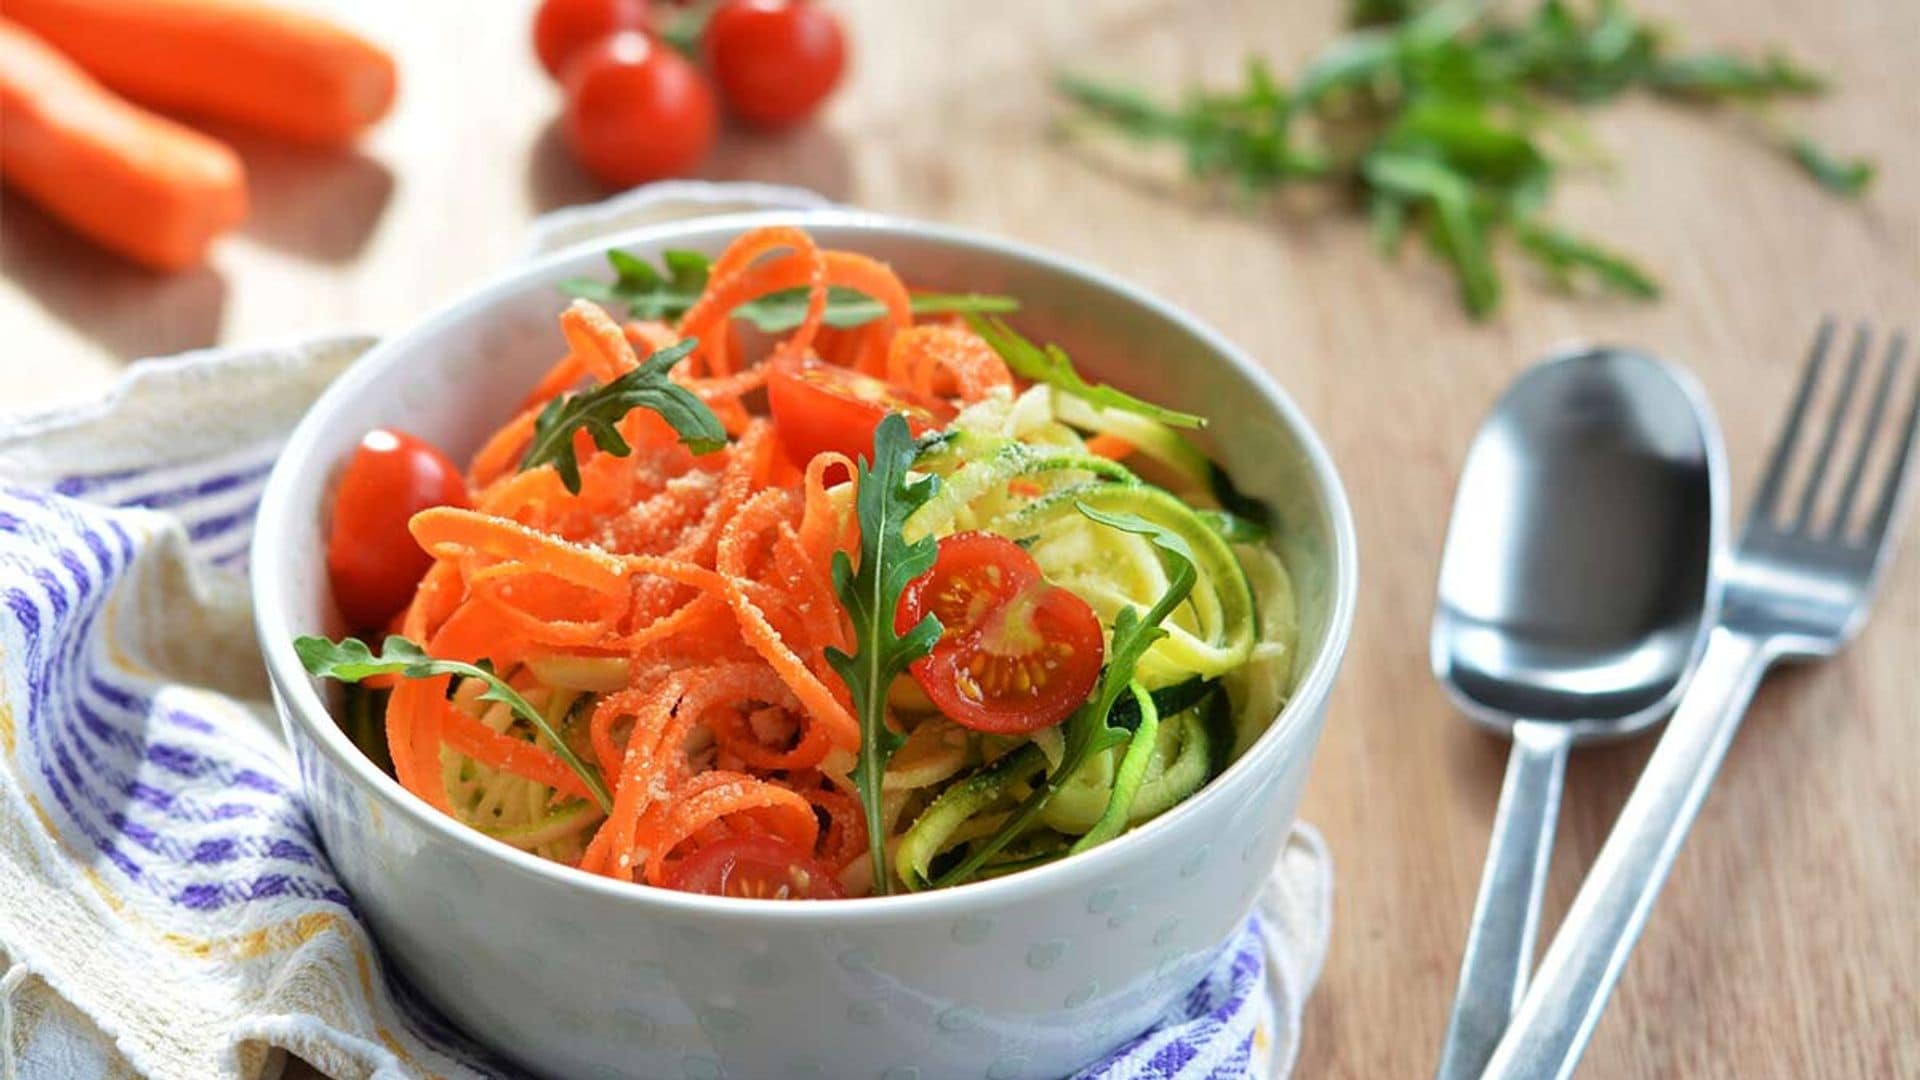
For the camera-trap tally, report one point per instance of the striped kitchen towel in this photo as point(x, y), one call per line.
point(165, 907)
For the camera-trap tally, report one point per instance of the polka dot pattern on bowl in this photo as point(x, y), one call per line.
point(972, 929)
point(1045, 954)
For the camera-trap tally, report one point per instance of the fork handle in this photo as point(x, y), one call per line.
point(1499, 952)
point(1587, 955)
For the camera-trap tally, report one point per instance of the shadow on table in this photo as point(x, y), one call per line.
point(319, 205)
point(322, 205)
point(811, 157)
point(128, 311)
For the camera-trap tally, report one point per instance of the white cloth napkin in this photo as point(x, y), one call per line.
point(165, 908)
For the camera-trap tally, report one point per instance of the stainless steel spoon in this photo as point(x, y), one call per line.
point(1575, 592)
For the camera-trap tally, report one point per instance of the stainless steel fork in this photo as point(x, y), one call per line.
point(1798, 586)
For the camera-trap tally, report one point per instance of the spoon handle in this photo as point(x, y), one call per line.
point(1584, 962)
point(1499, 954)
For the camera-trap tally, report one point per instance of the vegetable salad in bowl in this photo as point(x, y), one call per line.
point(800, 584)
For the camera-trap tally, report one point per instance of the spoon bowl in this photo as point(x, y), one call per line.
point(1575, 592)
point(1575, 581)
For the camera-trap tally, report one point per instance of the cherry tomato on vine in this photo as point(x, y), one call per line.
point(562, 28)
point(636, 110)
point(820, 407)
point(1016, 654)
point(754, 868)
point(372, 559)
point(775, 61)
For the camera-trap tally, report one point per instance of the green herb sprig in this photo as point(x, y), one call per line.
point(1051, 365)
point(599, 411)
point(350, 661)
point(1090, 729)
point(668, 291)
point(1443, 119)
point(884, 498)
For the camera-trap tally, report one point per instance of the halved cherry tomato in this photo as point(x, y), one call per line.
point(562, 28)
point(1016, 654)
point(775, 60)
point(820, 407)
point(373, 561)
point(754, 868)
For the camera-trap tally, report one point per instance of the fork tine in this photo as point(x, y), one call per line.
point(1836, 417)
point(1876, 411)
point(1891, 493)
point(1767, 497)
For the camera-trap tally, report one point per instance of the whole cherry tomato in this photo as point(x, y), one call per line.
point(754, 868)
point(820, 407)
point(775, 61)
point(636, 110)
point(372, 559)
point(562, 28)
point(1016, 653)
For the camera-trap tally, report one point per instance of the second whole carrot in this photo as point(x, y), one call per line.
point(135, 182)
point(276, 70)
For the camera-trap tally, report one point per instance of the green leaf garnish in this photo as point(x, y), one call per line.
point(1456, 227)
point(1051, 365)
point(1733, 77)
point(1567, 258)
point(667, 292)
point(781, 311)
point(1847, 177)
point(1445, 118)
point(884, 497)
point(1090, 729)
point(350, 661)
point(599, 411)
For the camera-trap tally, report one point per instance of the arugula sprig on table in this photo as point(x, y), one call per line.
point(599, 411)
point(1090, 730)
point(1050, 364)
point(668, 291)
point(1443, 119)
point(351, 660)
point(884, 497)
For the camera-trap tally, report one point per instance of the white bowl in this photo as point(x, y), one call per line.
point(1031, 975)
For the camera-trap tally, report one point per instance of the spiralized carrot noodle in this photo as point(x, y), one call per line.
point(735, 280)
point(946, 361)
point(679, 606)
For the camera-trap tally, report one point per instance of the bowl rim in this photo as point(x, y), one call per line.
point(300, 701)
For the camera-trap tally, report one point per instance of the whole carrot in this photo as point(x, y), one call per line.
point(279, 71)
point(138, 183)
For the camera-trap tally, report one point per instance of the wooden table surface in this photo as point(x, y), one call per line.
point(1786, 944)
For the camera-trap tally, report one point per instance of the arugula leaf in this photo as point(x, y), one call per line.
point(884, 497)
point(600, 410)
point(665, 294)
point(1456, 230)
point(1433, 114)
point(1733, 77)
point(350, 661)
point(1241, 135)
point(1051, 365)
point(1563, 255)
point(781, 311)
point(1847, 177)
point(1090, 730)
